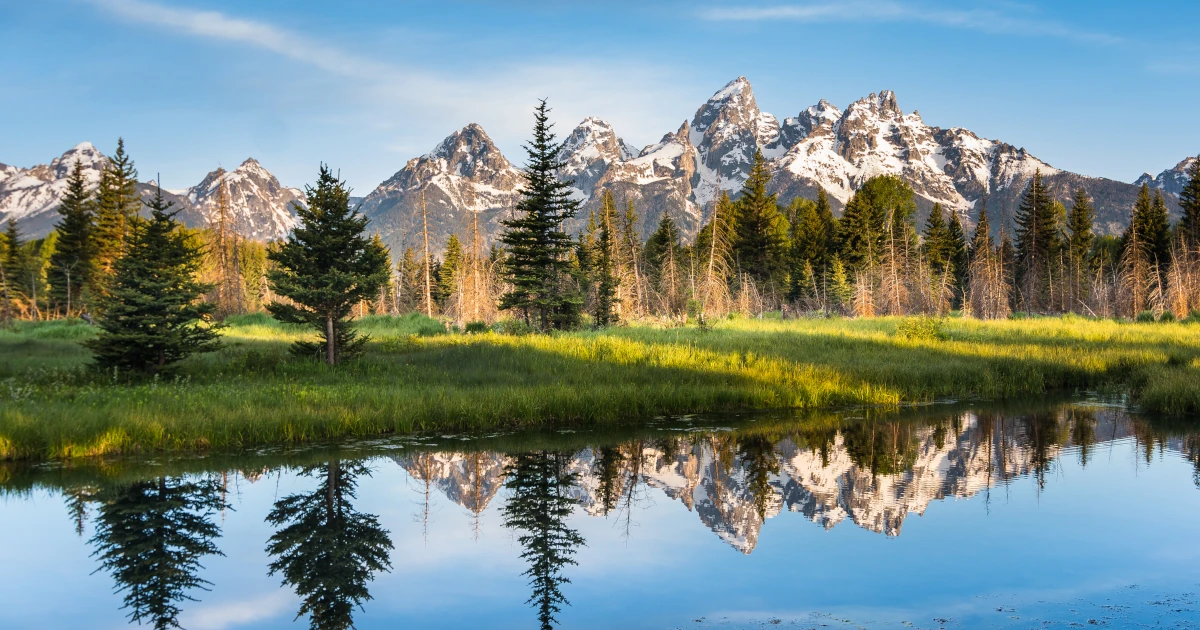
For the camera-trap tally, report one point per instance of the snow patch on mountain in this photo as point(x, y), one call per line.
point(259, 207)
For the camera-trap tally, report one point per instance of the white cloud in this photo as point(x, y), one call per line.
point(397, 97)
point(219, 616)
point(977, 19)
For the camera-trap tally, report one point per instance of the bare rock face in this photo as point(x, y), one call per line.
point(1170, 181)
point(464, 178)
point(260, 207)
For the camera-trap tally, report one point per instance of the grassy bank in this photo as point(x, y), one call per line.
point(412, 379)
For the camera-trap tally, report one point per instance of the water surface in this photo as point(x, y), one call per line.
point(1057, 514)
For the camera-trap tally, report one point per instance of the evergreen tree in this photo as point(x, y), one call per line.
point(13, 260)
point(151, 536)
point(117, 206)
point(1189, 201)
point(937, 240)
point(540, 484)
point(662, 244)
point(1037, 243)
point(841, 290)
point(956, 240)
point(1149, 222)
point(326, 266)
point(447, 276)
point(881, 202)
point(153, 306)
point(326, 550)
point(981, 242)
point(760, 231)
point(605, 263)
point(537, 265)
point(1079, 225)
point(71, 268)
point(812, 226)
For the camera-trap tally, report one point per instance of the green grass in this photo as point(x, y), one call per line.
point(416, 378)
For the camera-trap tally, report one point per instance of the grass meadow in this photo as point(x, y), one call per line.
point(416, 377)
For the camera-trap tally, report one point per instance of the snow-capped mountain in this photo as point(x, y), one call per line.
point(822, 146)
point(31, 195)
point(1171, 180)
point(464, 174)
point(734, 490)
point(260, 207)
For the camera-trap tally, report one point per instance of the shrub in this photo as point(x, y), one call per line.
point(1166, 317)
point(1145, 316)
point(920, 329)
point(476, 327)
point(512, 327)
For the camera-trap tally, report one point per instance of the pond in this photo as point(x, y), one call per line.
point(1054, 514)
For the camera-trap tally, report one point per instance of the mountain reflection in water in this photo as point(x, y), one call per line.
point(156, 524)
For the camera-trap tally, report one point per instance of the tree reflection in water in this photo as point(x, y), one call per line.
point(327, 551)
point(151, 535)
point(538, 506)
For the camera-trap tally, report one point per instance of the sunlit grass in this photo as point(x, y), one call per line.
point(417, 378)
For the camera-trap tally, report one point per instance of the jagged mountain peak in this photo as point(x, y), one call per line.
point(259, 207)
point(1171, 180)
point(881, 105)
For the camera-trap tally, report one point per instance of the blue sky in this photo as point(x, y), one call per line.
point(1103, 88)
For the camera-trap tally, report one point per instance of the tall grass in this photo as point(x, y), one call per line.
point(415, 377)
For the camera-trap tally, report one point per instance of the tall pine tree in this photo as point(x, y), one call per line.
point(117, 205)
point(1037, 244)
point(760, 231)
point(447, 276)
point(326, 267)
point(153, 308)
point(71, 270)
point(1189, 201)
point(937, 236)
point(604, 264)
point(537, 265)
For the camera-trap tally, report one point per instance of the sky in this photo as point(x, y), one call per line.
point(1102, 88)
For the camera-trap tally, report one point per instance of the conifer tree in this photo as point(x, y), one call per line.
point(71, 266)
point(326, 266)
point(151, 535)
point(937, 247)
point(812, 228)
point(1189, 202)
point(13, 260)
point(957, 244)
point(1079, 242)
point(841, 289)
point(862, 233)
point(117, 205)
point(447, 276)
point(408, 282)
point(536, 265)
point(1037, 243)
point(326, 549)
point(604, 264)
point(981, 241)
point(1158, 231)
point(153, 316)
point(760, 231)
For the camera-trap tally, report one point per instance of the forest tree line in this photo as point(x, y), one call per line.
point(753, 254)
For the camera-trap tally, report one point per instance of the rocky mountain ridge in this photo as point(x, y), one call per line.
point(259, 206)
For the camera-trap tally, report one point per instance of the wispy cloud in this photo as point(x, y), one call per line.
point(987, 20)
point(500, 98)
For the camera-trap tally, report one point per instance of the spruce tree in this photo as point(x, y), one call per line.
point(956, 241)
point(812, 227)
point(537, 265)
point(13, 260)
point(326, 266)
point(605, 263)
point(1079, 225)
point(1158, 232)
point(981, 242)
point(1189, 201)
point(117, 205)
point(663, 242)
point(153, 316)
point(760, 231)
point(151, 535)
point(862, 232)
point(447, 273)
point(937, 249)
point(1037, 243)
point(71, 266)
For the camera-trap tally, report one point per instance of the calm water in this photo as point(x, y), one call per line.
point(1059, 515)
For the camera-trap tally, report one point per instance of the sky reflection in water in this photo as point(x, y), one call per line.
point(942, 517)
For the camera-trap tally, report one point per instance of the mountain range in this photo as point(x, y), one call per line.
point(466, 177)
